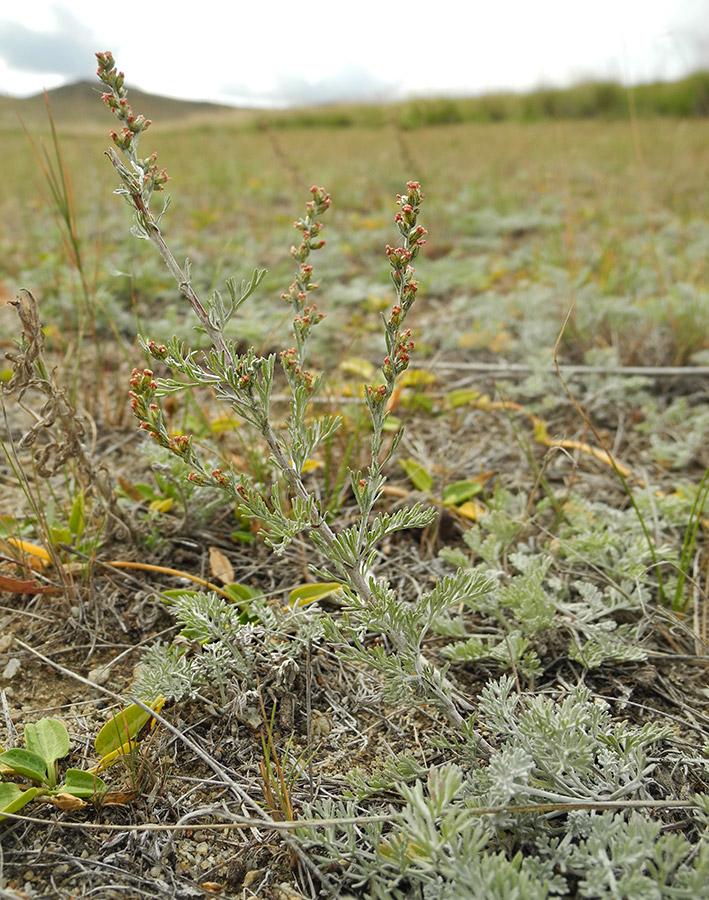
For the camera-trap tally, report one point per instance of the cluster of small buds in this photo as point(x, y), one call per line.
point(127, 138)
point(214, 477)
point(109, 75)
point(144, 407)
point(147, 411)
point(298, 291)
point(376, 396)
point(294, 373)
point(395, 316)
point(320, 201)
point(305, 317)
point(303, 323)
point(157, 351)
point(309, 226)
point(402, 356)
point(413, 234)
point(181, 445)
point(154, 178)
point(399, 343)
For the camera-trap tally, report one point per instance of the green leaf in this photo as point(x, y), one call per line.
point(459, 491)
point(77, 517)
point(123, 727)
point(417, 475)
point(462, 397)
point(26, 763)
point(309, 593)
point(59, 535)
point(241, 593)
point(49, 739)
point(416, 378)
point(79, 783)
point(176, 593)
point(13, 798)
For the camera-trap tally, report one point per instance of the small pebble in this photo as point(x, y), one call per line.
point(12, 668)
point(6, 642)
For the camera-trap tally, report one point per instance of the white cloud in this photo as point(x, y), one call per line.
point(280, 51)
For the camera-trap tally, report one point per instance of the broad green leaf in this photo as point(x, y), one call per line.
point(175, 593)
point(460, 491)
point(48, 738)
point(392, 423)
point(241, 593)
point(416, 378)
point(26, 763)
point(462, 397)
point(309, 593)
point(124, 726)
point(79, 783)
point(418, 476)
point(77, 517)
point(59, 535)
point(362, 368)
point(13, 798)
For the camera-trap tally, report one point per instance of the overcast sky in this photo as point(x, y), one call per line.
point(282, 52)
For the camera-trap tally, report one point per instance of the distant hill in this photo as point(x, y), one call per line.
point(80, 104)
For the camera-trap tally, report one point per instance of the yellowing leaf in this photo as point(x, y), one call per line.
point(311, 464)
point(220, 567)
point(110, 758)
point(416, 378)
point(224, 423)
point(309, 593)
point(462, 397)
point(456, 493)
point(162, 505)
point(418, 476)
point(471, 509)
point(362, 368)
point(541, 433)
point(124, 726)
point(34, 550)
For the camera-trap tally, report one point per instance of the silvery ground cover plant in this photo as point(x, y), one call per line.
point(387, 583)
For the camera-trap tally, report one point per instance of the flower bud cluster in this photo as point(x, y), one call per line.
point(309, 226)
point(127, 138)
point(399, 343)
point(216, 476)
point(298, 291)
point(305, 317)
point(294, 373)
point(144, 405)
point(402, 354)
point(157, 351)
point(303, 323)
point(376, 397)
